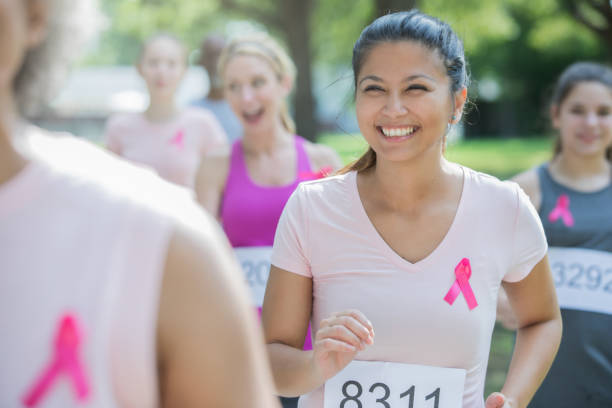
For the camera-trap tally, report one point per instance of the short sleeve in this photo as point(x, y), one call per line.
point(290, 250)
point(528, 240)
point(112, 139)
point(213, 136)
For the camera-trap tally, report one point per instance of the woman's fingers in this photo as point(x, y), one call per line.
point(349, 326)
point(360, 317)
point(496, 400)
point(329, 345)
point(340, 333)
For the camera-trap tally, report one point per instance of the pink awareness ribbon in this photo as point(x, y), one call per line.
point(178, 139)
point(562, 210)
point(463, 271)
point(322, 173)
point(65, 361)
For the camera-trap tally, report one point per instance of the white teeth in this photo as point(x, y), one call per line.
point(398, 132)
point(253, 113)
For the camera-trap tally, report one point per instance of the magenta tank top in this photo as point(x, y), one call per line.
point(249, 212)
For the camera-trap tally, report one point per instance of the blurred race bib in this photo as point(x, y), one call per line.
point(365, 384)
point(583, 278)
point(255, 262)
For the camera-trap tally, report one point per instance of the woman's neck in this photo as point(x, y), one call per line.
point(582, 173)
point(577, 167)
point(265, 141)
point(407, 185)
point(161, 110)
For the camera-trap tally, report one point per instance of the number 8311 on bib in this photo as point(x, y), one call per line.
point(365, 384)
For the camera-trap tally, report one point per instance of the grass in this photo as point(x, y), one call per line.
point(502, 158)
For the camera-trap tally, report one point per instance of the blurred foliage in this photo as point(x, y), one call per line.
point(500, 158)
point(484, 25)
point(130, 22)
point(520, 45)
point(336, 26)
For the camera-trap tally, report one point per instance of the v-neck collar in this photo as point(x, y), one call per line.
point(393, 256)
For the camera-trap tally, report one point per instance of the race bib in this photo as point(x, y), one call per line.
point(583, 278)
point(366, 384)
point(255, 262)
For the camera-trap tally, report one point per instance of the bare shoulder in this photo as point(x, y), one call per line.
point(322, 156)
point(198, 252)
point(205, 325)
point(219, 155)
point(215, 164)
point(530, 184)
point(211, 178)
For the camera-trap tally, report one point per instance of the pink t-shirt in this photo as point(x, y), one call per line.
point(173, 149)
point(84, 234)
point(325, 234)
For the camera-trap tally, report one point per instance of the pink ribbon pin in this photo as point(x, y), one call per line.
point(178, 139)
point(562, 211)
point(463, 271)
point(65, 361)
point(322, 173)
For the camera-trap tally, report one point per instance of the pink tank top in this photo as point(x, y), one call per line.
point(249, 212)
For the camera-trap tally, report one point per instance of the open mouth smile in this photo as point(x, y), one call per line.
point(397, 133)
point(253, 117)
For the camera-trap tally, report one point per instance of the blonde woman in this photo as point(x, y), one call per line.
point(247, 186)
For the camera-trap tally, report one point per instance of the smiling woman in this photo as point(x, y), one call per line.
point(404, 247)
point(572, 194)
point(248, 185)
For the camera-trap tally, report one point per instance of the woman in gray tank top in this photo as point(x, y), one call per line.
point(573, 195)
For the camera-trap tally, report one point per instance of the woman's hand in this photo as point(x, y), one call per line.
point(339, 338)
point(498, 400)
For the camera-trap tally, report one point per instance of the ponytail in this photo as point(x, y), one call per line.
point(365, 162)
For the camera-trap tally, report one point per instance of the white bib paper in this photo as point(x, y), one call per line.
point(583, 278)
point(255, 262)
point(371, 384)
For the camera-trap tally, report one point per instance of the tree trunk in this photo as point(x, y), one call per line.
point(293, 20)
point(386, 6)
point(295, 15)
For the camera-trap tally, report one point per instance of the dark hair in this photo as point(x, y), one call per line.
point(573, 75)
point(414, 26)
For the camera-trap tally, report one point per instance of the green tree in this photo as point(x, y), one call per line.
point(596, 15)
point(521, 45)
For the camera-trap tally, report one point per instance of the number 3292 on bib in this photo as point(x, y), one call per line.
point(370, 384)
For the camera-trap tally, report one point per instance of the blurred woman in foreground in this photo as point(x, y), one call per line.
point(102, 263)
